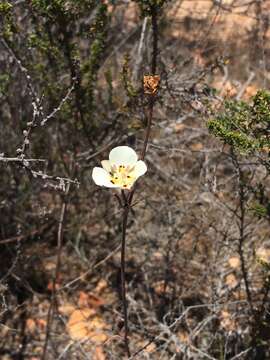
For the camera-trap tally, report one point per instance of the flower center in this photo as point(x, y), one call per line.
point(122, 176)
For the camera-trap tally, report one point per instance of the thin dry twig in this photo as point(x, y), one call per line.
point(53, 302)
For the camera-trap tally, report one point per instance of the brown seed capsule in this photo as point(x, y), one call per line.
point(150, 84)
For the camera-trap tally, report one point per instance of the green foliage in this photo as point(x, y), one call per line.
point(126, 78)
point(134, 100)
point(70, 9)
point(5, 6)
point(65, 43)
point(42, 44)
point(50, 8)
point(6, 24)
point(62, 43)
point(260, 210)
point(244, 126)
point(98, 32)
point(261, 106)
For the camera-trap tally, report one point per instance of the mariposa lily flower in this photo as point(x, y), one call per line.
point(121, 170)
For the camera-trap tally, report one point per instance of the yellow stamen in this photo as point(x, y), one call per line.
point(122, 176)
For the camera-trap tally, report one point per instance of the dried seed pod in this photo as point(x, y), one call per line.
point(150, 84)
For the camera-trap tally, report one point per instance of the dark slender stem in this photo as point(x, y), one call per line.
point(241, 241)
point(53, 302)
point(149, 123)
point(153, 70)
point(242, 236)
point(155, 39)
point(123, 275)
point(127, 200)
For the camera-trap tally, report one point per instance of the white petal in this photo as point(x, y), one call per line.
point(101, 177)
point(106, 165)
point(140, 168)
point(123, 155)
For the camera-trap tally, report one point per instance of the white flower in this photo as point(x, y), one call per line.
point(121, 170)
